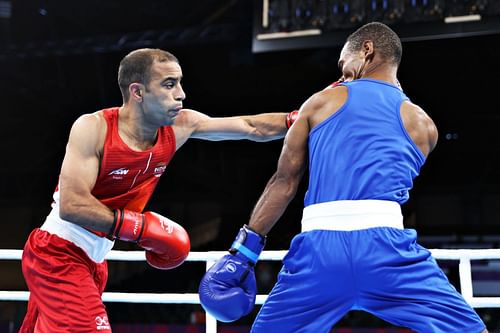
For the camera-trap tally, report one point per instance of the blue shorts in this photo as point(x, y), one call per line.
point(382, 271)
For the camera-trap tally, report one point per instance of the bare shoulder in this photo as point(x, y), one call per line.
point(420, 126)
point(324, 103)
point(188, 118)
point(89, 131)
point(90, 121)
point(414, 116)
point(186, 123)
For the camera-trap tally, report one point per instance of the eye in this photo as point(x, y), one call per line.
point(169, 84)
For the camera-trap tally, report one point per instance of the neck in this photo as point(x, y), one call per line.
point(382, 72)
point(134, 130)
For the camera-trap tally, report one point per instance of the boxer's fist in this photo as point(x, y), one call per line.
point(228, 289)
point(291, 117)
point(166, 242)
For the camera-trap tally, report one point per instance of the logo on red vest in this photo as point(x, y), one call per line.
point(118, 173)
point(160, 169)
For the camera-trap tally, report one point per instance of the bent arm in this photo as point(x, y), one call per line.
point(79, 172)
point(261, 127)
point(283, 185)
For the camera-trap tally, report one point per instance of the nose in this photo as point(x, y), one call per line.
point(180, 94)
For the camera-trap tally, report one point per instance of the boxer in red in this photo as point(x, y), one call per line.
point(114, 158)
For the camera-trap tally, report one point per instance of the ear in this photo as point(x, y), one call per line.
point(368, 49)
point(136, 91)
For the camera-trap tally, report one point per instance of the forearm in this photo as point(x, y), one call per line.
point(266, 126)
point(86, 211)
point(272, 204)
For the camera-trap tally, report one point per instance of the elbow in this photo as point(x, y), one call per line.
point(265, 137)
point(67, 211)
point(257, 136)
point(265, 134)
point(292, 190)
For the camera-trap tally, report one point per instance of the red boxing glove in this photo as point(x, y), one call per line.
point(166, 243)
point(334, 84)
point(291, 117)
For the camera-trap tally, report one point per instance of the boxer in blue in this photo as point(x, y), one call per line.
point(366, 142)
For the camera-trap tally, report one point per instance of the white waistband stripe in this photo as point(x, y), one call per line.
point(348, 215)
point(94, 246)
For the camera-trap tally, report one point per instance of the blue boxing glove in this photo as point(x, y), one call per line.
point(228, 289)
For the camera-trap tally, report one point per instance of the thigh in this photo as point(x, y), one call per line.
point(313, 290)
point(407, 287)
point(62, 284)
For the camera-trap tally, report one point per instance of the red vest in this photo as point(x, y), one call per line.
point(127, 178)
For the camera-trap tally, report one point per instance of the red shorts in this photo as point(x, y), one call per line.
point(65, 287)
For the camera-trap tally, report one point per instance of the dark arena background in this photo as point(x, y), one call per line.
point(59, 59)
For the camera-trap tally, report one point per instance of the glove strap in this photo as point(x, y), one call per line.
point(249, 244)
point(117, 223)
point(127, 225)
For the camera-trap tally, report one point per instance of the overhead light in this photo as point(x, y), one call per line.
point(297, 33)
point(464, 18)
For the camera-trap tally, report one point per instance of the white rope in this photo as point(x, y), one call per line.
point(444, 254)
point(151, 298)
point(140, 255)
point(457, 254)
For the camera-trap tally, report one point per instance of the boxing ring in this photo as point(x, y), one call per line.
point(464, 256)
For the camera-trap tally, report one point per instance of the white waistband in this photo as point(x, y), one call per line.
point(94, 246)
point(348, 215)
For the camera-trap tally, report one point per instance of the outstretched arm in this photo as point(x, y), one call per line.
point(261, 127)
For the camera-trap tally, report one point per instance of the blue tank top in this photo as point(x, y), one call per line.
point(363, 151)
